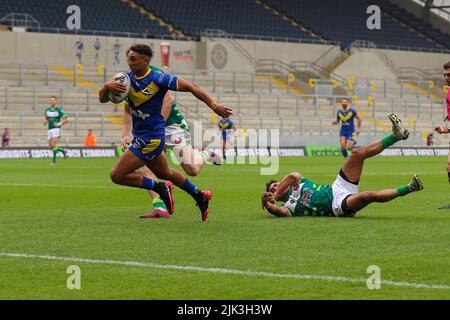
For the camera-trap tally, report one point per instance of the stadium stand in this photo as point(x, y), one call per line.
point(409, 19)
point(294, 115)
point(233, 16)
point(259, 100)
point(115, 15)
point(344, 18)
point(269, 18)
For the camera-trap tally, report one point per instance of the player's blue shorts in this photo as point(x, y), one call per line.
point(147, 148)
point(224, 135)
point(347, 134)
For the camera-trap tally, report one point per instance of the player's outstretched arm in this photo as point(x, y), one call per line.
point(291, 180)
point(441, 129)
point(201, 94)
point(277, 211)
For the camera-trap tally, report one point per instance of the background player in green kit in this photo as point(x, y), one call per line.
point(342, 199)
point(177, 139)
point(55, 118)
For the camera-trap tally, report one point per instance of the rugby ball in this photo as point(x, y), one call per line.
point(124, 79)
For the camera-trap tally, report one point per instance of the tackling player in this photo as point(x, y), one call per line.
point(55, 118)
point(342, 199)
point(148, 89)
point(347, 116)
point(440, 128)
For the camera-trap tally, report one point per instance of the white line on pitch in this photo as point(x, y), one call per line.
point(58, 186)
point(149, 265)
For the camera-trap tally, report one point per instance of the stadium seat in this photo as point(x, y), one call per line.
point(346, 22)
point(235, 17)
point(53, 15)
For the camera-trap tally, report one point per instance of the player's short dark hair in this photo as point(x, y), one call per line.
point(447, 65)
point(269, 183)
point(53, 97)
point(142, 49)
point(345, 98)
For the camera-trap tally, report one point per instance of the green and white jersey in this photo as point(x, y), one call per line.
point(54, 116)
point(175, 116)
point(309, 198)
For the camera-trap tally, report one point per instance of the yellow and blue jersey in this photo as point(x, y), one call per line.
point(225, 125)
point(347, 118)
point(145, 99)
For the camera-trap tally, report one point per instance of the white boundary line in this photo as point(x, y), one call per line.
point(150, 265)
point(58, 186)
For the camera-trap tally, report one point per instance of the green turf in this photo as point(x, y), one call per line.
point(407, 238)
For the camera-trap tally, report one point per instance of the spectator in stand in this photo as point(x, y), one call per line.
point(91, 140)
point(147, 34)
point(5, 138)
point(174, 35)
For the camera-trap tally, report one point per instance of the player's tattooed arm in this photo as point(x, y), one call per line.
point(277, 211)
point(291, 180)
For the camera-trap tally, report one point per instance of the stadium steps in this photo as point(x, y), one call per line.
point(74, 99)
point(335, 64)
point(55, 75)
point(70, 75)
point(114, 119)
point(281, 83)
point(35, 132)
point(432, 94)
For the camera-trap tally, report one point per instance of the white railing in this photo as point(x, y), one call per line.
point(370, 45)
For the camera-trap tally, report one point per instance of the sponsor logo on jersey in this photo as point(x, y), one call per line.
point(52, 114)
point(139, 114)
point(306, 197)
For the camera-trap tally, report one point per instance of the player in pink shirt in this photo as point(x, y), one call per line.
point(440, 128)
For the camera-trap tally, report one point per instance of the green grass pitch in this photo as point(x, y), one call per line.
point(74, 211)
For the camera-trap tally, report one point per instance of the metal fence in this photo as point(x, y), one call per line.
point(23, 74)
point(76, 120)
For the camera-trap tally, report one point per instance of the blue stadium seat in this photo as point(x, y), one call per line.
point(233, 16)
point(341, 21)
point(345, 21)
point(104, 15)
